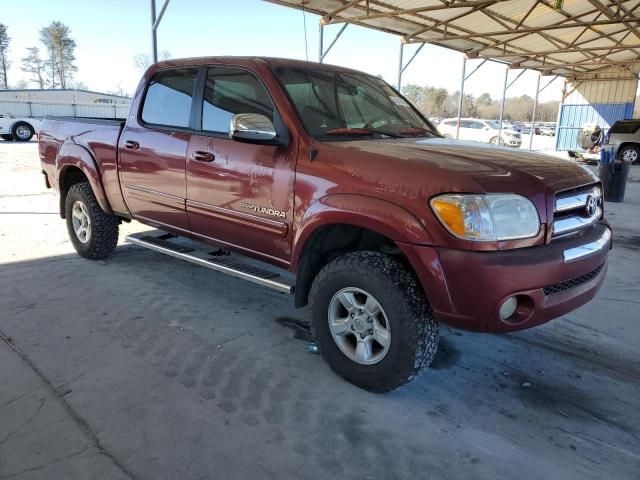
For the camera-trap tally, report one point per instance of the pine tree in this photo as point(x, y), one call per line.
point(34, 65)
point(4, 61)
point(60, 48)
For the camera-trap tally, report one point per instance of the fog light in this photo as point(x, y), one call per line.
point(508, 307)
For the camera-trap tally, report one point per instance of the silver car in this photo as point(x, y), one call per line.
point(624, 135)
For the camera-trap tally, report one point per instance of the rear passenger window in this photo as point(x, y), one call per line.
point(229, 91)
point(625, 127)
point(168, 98)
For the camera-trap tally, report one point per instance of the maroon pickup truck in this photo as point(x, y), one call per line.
point(328, 177)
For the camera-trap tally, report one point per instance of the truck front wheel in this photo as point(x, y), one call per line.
point(373, 325)
point(93, 232)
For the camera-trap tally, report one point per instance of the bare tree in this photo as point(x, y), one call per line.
point(34, 64)
point(142, 61)
point(4, 61)
point(56, 37)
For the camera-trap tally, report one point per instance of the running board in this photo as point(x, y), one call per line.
point(194, 252)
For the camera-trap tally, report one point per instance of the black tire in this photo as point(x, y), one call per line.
point(414, 337)
point(495, 141)
point(18, 136)
point(630, 152)
point(103, 236)
point(7, 138)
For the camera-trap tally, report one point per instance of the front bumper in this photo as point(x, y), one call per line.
point(467, 288)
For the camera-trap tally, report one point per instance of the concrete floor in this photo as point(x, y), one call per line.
point(149, 368)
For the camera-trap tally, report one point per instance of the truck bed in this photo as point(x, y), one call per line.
point(98, 137)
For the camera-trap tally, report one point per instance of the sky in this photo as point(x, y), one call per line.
point(109, 33)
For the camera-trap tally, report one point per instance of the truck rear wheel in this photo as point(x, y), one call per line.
point(93, 232)
point(373, 325)
point(22, 132)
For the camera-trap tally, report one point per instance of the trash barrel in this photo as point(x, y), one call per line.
point(613, 173)
point(605, 171)
point(618, 185)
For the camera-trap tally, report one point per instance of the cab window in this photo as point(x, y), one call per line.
point(168, 98)
point(229, 91)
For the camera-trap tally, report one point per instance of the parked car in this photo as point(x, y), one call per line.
point(509, 125)
point(486, 131)
point(525, 128)
point(549, 130)
point(329, 177)
point(18, 128)
point(624, 135)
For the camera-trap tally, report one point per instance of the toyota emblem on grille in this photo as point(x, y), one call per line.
point(591, 205)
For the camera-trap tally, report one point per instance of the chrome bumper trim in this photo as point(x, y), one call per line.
point(588, 249)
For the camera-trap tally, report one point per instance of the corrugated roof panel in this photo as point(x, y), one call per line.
point(544, 29)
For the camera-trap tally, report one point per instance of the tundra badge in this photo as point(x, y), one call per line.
point(267, 211)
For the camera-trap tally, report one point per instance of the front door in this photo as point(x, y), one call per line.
point(153, 150)
point(239, 194)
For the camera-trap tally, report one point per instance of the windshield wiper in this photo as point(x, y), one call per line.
point(361, 131)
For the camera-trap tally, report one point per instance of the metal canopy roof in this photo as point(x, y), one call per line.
point(571, 38)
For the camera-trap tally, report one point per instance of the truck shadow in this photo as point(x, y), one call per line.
point(220, 340)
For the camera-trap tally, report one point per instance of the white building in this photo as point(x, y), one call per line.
point(37, 103)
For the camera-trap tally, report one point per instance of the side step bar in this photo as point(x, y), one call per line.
point(186, 250)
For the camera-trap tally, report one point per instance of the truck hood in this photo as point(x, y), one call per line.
point(451, 165)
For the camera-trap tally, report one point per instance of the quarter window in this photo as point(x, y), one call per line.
point(168, 98)
point(229, 91)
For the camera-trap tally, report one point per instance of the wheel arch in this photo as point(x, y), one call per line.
point(75, 164)
point(629, 144)
point(339, 224)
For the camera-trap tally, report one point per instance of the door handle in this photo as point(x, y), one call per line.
point(203, 156)
point(131, 144)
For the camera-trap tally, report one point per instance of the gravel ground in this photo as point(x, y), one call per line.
point(149, 368)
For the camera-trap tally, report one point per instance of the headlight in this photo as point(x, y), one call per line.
point(490, 217)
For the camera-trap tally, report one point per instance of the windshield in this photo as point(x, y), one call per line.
point(494, 125)
point(336, 105)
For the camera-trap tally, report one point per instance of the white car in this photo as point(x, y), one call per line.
point(486, 131)
point(18, 128)
point(549, 130)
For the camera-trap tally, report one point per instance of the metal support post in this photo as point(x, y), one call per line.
point(464, 69)
point(533, 117)
point(400, 69)
point(504, 94)
point(320, 47)
point(154, 38)
point(324, 54)
point(154, 26)
point(515, 79)
point(475, 69)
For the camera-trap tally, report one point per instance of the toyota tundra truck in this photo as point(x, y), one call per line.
point(326, 183)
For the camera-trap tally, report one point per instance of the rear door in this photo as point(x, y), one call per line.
point(239, 194)
point(466, 132)
point(153, 150)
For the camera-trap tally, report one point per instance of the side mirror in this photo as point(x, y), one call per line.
point(252, 128)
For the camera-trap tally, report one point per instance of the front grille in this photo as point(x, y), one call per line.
point(573, 283)
point(576, 209)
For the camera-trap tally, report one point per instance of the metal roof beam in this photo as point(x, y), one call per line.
point(611, 15)
point(416, 10)
point(555, 26)
point(544, 53)
point(344, 7)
